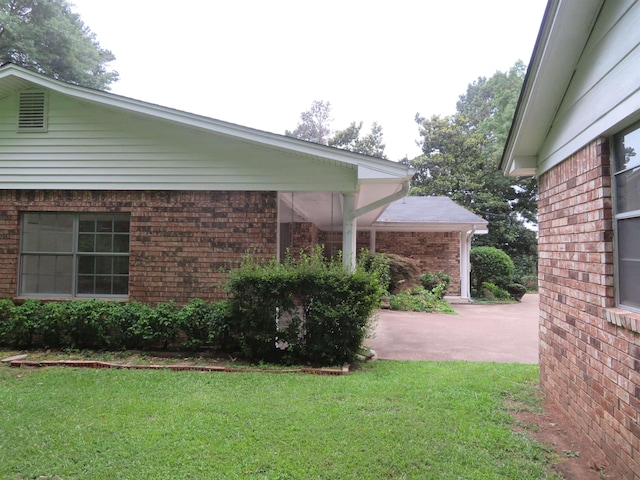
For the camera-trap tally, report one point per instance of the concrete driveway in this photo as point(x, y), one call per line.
point(483, 333)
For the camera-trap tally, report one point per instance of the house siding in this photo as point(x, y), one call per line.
point(589, 366)
point(182, 243)
point(92, 147)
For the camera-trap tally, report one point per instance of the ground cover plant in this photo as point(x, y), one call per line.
point(410, 420)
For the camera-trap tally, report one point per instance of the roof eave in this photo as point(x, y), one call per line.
point(564, 31)
point(373, 166)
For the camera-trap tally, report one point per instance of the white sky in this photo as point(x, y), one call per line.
point(260, 63)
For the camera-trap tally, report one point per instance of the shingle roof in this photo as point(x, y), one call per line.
point(428, 210)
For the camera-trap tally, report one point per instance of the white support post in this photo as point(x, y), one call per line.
point(349, 230)
point(372, 241)
point(465, 264)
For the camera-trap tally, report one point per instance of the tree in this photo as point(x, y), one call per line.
point(46, 36)
point(460, 160)
point(349, 139)
point(314, 126)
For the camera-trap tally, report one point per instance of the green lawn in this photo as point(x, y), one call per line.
point(392, 420)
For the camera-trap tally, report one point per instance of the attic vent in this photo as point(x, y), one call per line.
point(32, 113)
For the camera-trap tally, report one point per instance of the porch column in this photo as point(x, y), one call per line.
point(349, 230)
point(372, 241)
point(465, 265)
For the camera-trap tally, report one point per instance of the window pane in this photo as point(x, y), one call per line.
point(631, 151)
point(628, 191)
point(105, 226)
point(85, 284)
point(120, 285)
point(87, 226)
point(629, 262)
point(121, 265)
point(47, 232)
point(86, 242)
point(103, 285)
point(104, 243)
point(86, 265)
point(104, 265)
point(46, 274)
point(121, 243)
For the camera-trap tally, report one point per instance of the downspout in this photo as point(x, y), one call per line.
point(349, 222)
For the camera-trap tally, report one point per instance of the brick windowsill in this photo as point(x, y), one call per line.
point(623, 318)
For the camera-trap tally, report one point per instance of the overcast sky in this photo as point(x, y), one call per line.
point(260, 63)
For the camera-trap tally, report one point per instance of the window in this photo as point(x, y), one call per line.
point(74, 255)
point(627, 217)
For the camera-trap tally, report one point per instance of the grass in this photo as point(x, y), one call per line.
point(398, 420)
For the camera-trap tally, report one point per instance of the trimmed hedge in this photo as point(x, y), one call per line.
point(307, 310)
point(105, 325)
point(303, 311)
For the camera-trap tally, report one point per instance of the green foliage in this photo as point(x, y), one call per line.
point(315, 126)
point(96, 324)
point(306, 309)
point(489, 264)
point(492, 291)
point(378, 264)
point(46, 36)
point(516, 291)
point(205, 323)
point(460, 157)
point(418, 299)
point(436, 282)
point(530, 282)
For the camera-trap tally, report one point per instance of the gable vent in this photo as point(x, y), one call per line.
point(32, 113)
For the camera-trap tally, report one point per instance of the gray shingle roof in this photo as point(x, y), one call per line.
point(428, 210)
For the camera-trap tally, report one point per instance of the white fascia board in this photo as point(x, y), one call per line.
point(370, 167)
point(477, 228)
point(563, 35)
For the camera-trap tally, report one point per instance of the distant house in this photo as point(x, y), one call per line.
point(106, 196)
point(577, 127)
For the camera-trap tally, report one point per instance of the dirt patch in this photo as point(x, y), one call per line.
point(575, 456)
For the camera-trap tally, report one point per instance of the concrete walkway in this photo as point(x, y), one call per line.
point(483, 333)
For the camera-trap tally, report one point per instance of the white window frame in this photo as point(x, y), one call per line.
point(76, 254)
point(617, 170)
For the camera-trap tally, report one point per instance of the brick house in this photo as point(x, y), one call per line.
point(106, 196)
point(577, 128)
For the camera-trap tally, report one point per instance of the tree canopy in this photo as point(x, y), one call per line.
point(460, 158)
point(315, 126)
point(48, 37)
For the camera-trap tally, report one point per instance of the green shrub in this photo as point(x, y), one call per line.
point(490, 264)
point(418, 299)
point(491, 291)
point(6, 320)
point(205, 323)
point(306, 310)
point(516, 291)
point(437, 283)
point(530, 282)
point(378, 264)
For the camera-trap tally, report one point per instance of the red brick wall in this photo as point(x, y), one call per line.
point(182, 243)
point(589, 366)
point(435, 251)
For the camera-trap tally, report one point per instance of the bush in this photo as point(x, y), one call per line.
point(305, 310)
point(490, 290)
point(418, 299)
point(530, 282)
point(437, 283)
point(492, 265)
point(516, 291)
point(378, 264)
point(205, 323)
